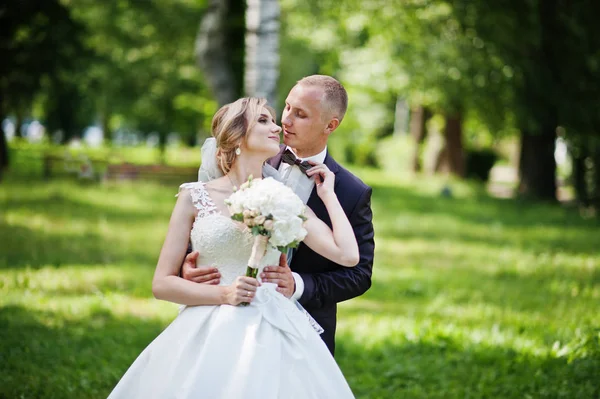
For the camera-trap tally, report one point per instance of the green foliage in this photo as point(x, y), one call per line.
point(362, 153)
point(471, 296)
point(394, 153)
point(115, 63)
point(555, 84)
point(145, 67)
point(39, 39)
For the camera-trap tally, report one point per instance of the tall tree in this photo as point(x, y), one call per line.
point(551, 48)
point(262, 49)
point(220, 48)
point(37, 40)
point(418, 131)
point(143, 76)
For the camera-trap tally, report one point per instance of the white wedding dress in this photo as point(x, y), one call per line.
point(266, 350)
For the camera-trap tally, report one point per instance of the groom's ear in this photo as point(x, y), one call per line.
point(332, 125)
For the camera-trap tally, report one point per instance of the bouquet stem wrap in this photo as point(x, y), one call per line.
point(258, 251)
point(259, 247)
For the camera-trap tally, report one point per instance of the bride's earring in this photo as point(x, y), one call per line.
point(238, 151)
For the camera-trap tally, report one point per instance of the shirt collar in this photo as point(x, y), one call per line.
point(318, 158)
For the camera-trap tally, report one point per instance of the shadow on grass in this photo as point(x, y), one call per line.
point(42, 357)
point(439, 367)
point(26, 247)
point(50, 238)
point(482, 208)
point(59, 205)
point(528, 294)
point(522, 223)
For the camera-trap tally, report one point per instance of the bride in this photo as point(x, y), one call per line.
point(214, 348)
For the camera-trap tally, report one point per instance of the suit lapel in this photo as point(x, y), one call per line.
point(314, 202)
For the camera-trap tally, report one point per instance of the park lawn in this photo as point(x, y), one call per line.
point(472, 297)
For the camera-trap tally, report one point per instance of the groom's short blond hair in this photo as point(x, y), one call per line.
point(335, 97)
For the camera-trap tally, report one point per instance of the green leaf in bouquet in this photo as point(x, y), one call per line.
point(238, 217)
point(282, 249)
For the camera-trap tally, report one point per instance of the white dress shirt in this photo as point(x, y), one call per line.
point(303, 186)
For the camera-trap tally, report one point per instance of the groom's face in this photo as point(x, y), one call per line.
point(304, 129)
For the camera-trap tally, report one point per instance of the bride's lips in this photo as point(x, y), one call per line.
point(274, 138)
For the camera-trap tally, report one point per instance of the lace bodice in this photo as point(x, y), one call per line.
point(221, 241)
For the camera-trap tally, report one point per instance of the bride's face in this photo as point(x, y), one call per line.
point(263, 137)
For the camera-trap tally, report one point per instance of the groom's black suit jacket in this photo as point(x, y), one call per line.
point(325, 282)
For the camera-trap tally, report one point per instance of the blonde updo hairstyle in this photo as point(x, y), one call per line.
point(231, 124)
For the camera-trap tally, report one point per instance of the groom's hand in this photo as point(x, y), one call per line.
point(199, 274)
point(280, 275)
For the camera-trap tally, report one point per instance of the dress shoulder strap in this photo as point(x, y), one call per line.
point(200, 198)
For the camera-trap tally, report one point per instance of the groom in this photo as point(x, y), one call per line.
point(313, 110)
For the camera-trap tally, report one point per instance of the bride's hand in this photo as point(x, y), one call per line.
point(324, 179)
point(243, 289)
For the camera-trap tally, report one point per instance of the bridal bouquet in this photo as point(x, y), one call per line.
point(274, 214)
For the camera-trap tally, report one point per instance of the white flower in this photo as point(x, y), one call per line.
point(269, 199)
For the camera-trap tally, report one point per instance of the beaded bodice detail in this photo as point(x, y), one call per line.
point(221, 241)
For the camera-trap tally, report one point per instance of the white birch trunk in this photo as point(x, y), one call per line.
point(262, 49)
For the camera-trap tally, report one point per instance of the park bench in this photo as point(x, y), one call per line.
point(84, 167)
point(161, 173)
point(81, 166)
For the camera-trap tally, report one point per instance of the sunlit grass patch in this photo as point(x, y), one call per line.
point(471, 296)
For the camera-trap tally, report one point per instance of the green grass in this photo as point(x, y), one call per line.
point(472, 297)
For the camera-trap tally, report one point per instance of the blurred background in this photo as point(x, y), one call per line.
point(477, 123)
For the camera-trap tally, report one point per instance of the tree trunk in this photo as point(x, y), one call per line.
point(18, 122)
point(3, 152)
point(3, 144)
point(418, 131)
point(162, 148)
point(262, 49)
point(579, 174)
point(106, 132)
point(537, 166)
point(453, 156)
point(212, 52)
point(579, 180)
point(594, 191)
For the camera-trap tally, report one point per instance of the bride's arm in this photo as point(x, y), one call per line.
point(168, 286)
point(339, 245)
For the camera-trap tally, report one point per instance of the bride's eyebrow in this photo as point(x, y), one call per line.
point(267, 117)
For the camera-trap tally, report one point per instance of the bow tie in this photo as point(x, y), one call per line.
point(289, 158)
